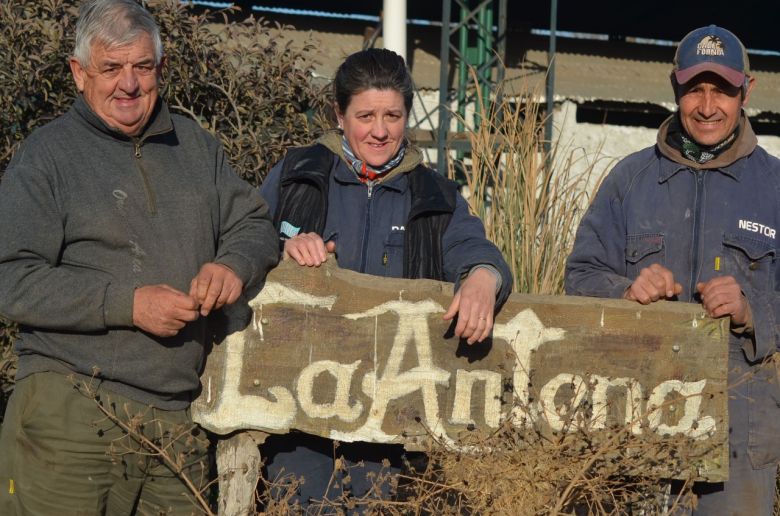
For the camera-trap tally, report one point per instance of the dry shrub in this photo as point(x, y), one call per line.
point(35, 84)
point(521, 471)
point(255, 94)
point(531, 470)
point(530, 203)
point(527, 468)
point(276, 495)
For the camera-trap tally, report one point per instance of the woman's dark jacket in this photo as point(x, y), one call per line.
point(413, 225)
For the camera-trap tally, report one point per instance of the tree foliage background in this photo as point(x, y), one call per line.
point(227, 71)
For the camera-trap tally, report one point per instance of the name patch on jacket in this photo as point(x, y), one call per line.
point(755, 227)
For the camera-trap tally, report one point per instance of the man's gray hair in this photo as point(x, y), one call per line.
point(113, 23)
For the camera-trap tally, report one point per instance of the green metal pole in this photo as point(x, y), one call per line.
point(444, 64)
point(463, 48)
point(487, 75)
point(548, 125)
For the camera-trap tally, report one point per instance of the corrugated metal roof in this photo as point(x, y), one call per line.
point(585, 70)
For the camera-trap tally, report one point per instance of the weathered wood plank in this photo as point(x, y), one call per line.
point(238, 463)
point(354, 357)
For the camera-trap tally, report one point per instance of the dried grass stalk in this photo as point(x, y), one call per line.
point(529, 201)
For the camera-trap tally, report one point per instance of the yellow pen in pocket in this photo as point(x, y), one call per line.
point(717, 263)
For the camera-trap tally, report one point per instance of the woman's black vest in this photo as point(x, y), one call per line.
point(303, 202)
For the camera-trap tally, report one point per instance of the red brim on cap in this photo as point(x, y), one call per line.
point(733, 76)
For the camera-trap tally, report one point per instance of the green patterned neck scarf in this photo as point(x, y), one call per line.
point(680, 140)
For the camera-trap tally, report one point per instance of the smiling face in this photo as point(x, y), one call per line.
point(374, 124)
point(710, 107)
point(120, 84)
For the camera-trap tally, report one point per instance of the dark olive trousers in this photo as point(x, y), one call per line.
point(60, 454)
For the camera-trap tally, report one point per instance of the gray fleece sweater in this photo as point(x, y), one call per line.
point(87, 215)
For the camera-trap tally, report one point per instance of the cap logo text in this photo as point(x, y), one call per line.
point(710, 46)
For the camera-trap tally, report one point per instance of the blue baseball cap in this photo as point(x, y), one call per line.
point(711, 49)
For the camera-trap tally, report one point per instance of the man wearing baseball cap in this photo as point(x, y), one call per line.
point(695, 218)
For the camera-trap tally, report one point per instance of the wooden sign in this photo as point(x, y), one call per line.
point(354, 357)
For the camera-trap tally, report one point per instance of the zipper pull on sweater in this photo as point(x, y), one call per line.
point(137, 149)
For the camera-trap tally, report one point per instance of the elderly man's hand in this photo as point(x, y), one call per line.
point(162, 310)
point(215, 286)
point(308, 249)
point(474, 303)
point(653, 283)
point(723, 296)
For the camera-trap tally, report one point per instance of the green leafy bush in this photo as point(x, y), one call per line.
point(35, 82)
point(230, 74)
point(241, 83)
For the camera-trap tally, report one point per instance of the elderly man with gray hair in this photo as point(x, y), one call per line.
point(122, 227)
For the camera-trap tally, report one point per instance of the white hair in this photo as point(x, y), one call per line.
point(113, 23)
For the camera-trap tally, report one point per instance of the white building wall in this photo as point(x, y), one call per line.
point(607, 144)
point(602, 145)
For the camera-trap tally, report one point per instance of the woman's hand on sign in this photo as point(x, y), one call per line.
point(308, 249)
point(474, 303)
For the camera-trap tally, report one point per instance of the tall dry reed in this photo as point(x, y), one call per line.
point(530, 201)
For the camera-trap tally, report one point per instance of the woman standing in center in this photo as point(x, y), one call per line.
point(363, 193)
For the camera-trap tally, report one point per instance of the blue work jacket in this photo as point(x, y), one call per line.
point(655, 207)
point(367, 225)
